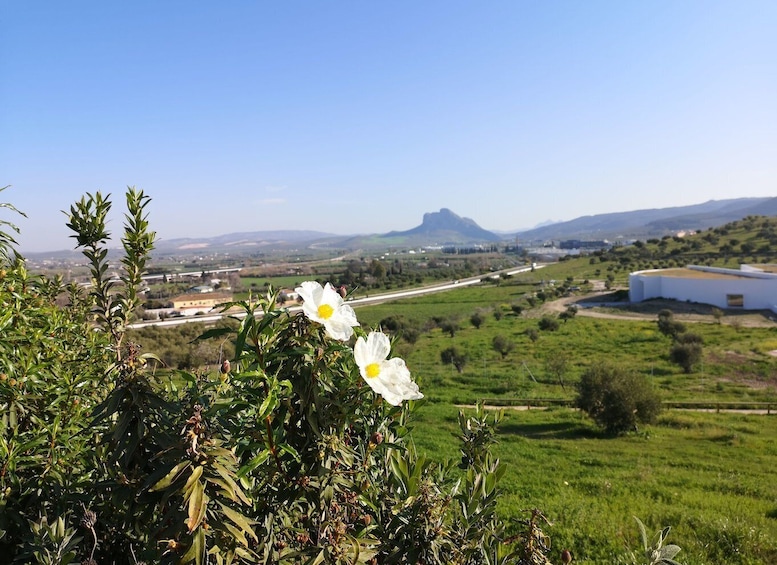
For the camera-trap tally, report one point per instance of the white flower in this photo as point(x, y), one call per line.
point(325, 306)
point(388, 377)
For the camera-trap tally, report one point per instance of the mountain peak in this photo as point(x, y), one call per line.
point(446, 226)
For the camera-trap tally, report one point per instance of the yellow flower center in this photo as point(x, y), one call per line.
point(325, 311)
point(372, 370)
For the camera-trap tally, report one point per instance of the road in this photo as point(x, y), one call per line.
point(375, 299)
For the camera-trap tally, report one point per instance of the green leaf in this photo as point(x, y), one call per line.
point(170, 477)
point(254, 463)
point(193, 478)
point(241, 521)
point(211, 333)
point(198, 504)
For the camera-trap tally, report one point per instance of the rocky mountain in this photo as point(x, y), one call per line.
point(655, 222)
point(446, 227)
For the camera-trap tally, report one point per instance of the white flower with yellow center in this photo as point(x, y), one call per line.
point(388, 377)
point(325, 306)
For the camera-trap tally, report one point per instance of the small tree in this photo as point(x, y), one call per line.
point(687, 351)
point(617, 400)
point(502, 345)
point(452, 356)
point(548, 323)
point(569, 313)
point(532, 334)
point(450, 327)
point(668, 326)
point(556, 366)
point(477, 319)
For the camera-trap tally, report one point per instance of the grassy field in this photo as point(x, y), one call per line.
point(709, 476)
point(737, 364)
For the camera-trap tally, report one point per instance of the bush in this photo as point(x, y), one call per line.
point(686, 354)
point(668, 326)
point(296, 451)
point(502, 345)
point(548, 323)
point(452, 356)
point(617, 400)
point(532, 334)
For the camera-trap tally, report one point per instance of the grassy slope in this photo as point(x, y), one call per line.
point(707, 475)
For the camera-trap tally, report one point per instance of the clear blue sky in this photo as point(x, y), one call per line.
point(359, 117)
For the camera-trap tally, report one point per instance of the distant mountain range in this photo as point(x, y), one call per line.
point(447, 228)
point(657, 222)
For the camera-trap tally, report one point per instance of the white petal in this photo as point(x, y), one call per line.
point(310, 291)
point(338, 329)
point(379, 346)
point(361, 353)
point(330, 296)
point(394, 383)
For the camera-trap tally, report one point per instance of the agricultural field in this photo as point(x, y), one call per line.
point(705, 474)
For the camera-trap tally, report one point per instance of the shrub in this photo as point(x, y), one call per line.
point(617, 400)
point(668, 326)
point(450, 327)
point(548, 323)
point(686, 354)
point(296, 451)
point(452, 356)
point(532, 334)
point(502, 345)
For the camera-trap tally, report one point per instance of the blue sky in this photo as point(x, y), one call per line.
point(359, 117)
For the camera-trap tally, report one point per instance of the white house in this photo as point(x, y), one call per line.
point(749, 288)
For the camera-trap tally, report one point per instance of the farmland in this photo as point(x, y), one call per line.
point(704, 474)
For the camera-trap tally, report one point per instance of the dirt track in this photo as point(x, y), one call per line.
point(605, 305)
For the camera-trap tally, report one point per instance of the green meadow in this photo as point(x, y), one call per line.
point(708, 475)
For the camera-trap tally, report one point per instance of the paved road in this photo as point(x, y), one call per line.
point(377, 298)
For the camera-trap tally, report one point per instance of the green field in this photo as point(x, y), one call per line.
point(709, 476)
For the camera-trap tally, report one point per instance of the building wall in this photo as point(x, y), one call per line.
point(757, 292)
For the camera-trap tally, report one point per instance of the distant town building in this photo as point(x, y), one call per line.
point(193, 302)
point(582, 244)
point(201, 289)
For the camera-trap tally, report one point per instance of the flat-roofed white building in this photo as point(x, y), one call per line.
point(748, 288)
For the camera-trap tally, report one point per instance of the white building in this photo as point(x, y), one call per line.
point(749, 288)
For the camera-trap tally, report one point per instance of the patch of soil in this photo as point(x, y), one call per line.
point(613, 305)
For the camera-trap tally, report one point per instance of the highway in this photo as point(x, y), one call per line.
point(377, 298)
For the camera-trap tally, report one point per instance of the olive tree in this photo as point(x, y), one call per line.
point(617, 399)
